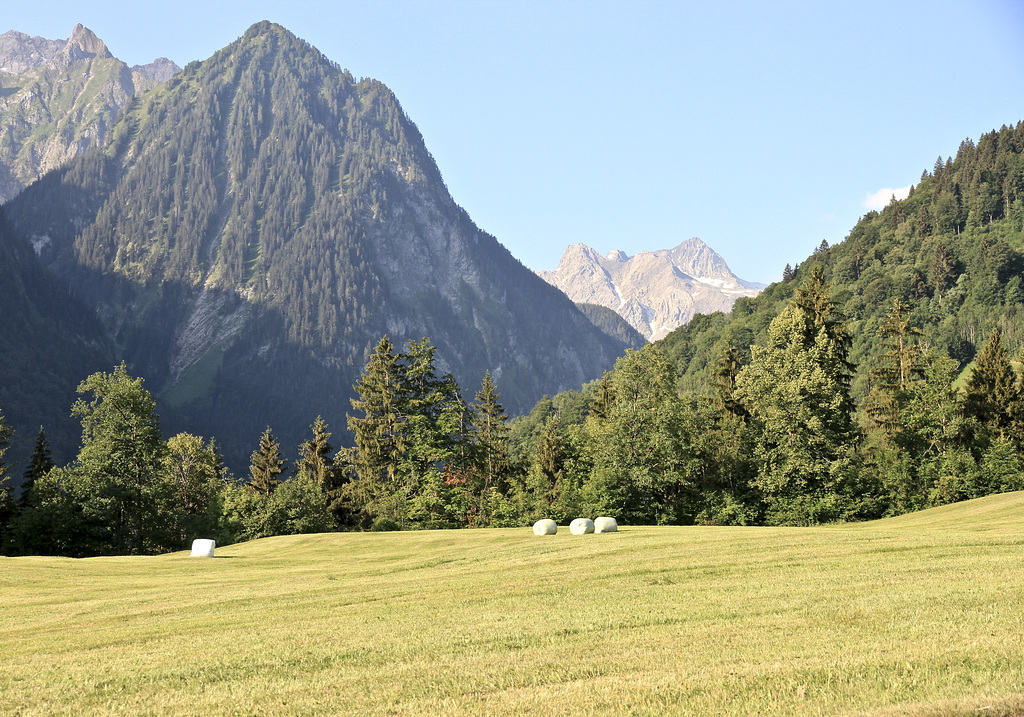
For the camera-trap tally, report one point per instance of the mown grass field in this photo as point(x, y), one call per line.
point(920, 615)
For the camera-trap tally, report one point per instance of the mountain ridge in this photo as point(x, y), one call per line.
point(655, 291)
point(58, 99)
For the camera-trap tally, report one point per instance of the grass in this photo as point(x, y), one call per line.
point(918, 615)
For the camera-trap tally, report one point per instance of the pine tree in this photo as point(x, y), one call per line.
point(39, 465)
point(489, 433)
point(897, 369)
point(797, 390)
point(992, 395)
point(378, 431)
point(315, 458)
point(266, 465)
point(724, 379)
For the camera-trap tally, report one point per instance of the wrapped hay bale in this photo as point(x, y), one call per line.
point(605, 524)
point(581, 526)
point(203, 548)
point(545, 526)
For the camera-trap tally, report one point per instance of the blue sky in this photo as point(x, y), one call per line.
point(760, 127)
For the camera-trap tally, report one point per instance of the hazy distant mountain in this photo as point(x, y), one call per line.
point(58, 98)
point(254, 226)
point(655, 291)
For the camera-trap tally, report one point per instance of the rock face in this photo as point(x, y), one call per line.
point(58, 98)
point(20, 53)
point(655, 291)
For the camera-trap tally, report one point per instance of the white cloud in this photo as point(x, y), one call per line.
point(879, 199)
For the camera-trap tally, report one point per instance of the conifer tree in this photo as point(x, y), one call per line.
point(39, 465)
point(898, 368)
point(797, 390)
point(377, 431)
point(315, 458)
point(724, 379)
point(266, 465)
point(993, 395)
point(490, 435)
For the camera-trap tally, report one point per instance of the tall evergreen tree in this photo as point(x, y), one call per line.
point(797, 390)
point(726, 369)
point(39, 464)
point(896, 370)
point(266, 465)
point(315, 459)
point(489, 433)
point(993, 394)
point(379, 440)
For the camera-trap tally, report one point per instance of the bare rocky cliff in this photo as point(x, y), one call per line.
point(655, 291)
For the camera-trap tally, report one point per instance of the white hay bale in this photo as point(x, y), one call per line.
point(203, 548)
point(545, 526)
point(605, 524)
point(581, 526)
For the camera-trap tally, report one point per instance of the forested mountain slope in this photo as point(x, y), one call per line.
point(50, 341)
point(952, 251)
point(255, 225)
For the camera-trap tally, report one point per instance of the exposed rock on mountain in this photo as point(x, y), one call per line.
point(20, 52)
point(148, 76)
point(655, 291)
point(58, 99)
point(255, 225)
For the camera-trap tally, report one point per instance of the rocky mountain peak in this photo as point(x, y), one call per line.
point(655, 291)
point(82, 44)
point(19, 52)
point(159, 70)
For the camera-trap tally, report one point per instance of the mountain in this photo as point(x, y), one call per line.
point(58, 99)
point(655, 291)
point(252, 227)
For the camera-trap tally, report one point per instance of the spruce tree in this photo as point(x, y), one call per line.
point(315, 458)
point(724, 379)
point(992, 394)
point(896, 371)
point(378, 428)
point(266, 465)
point(39, 465)
point(489, 433)
point(797, 390)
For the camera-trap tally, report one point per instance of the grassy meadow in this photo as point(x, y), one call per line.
point(918, 615)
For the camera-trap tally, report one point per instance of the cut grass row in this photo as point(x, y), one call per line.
point(918, 615)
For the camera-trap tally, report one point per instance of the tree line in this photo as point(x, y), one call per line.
point(780, 441)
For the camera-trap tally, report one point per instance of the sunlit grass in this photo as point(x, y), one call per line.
point(919, 615)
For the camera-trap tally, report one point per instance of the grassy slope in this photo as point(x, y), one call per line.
point(921, 614)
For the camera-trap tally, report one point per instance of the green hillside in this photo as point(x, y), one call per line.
point(912, 616)
point(953, 252)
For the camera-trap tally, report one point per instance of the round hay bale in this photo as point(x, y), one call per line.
point(203, 548)
point(605, 524)
point(545, 526)
point(581, 526)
